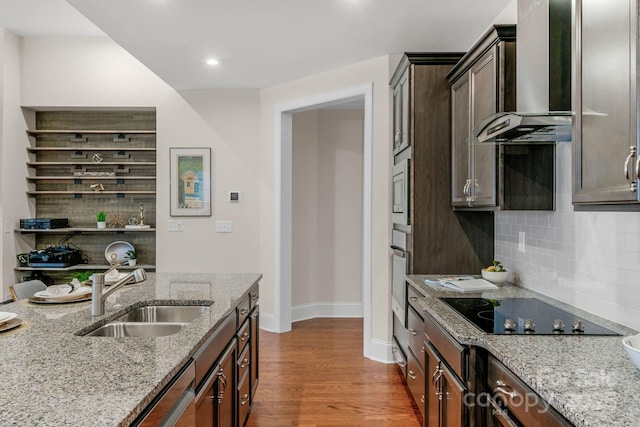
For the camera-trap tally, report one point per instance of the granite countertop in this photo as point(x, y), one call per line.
point(588, 379)
point(53, 377)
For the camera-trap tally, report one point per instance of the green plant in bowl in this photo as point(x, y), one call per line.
point(101, 216)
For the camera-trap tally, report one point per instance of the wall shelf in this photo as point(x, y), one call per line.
point(89, 178)
point(87, 193)
point(82, 267)
point(92, 149)
point(36, 164)
point(85, 230)
point(41, 132)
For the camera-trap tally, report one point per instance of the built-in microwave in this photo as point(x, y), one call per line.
point(400, 193)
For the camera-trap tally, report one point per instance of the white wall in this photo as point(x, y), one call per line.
point(327, 213)
point(96, 72)
point(271, 99)
point(587, 259)
point(13, 141)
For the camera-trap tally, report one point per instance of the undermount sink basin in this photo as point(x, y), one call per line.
point(163, 313)
point(150, 321)
point(137, 329)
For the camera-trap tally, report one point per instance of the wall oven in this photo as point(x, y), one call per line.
point(400, 260)
point(400, 193)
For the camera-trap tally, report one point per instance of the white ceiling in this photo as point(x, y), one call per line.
point(259, 42)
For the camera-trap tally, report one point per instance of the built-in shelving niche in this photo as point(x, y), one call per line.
point(72, 153)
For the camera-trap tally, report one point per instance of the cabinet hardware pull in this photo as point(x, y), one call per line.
point(412, 375)
point(244, 311)
point(244, 399)
point(422, 398)
point(413, 299)
point(503, 388)
point(413, 332)
point(402, 363)
point(465, 189)
point(244, 363)
point(633, 186)
point(223, 379)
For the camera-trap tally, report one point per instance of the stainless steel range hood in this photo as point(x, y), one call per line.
point(543, 78)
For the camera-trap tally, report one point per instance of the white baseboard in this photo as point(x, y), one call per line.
point(380, 351)
point(311, 311)
point(267, 322)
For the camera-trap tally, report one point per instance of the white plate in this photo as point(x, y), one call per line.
point(77, 293)
point(5, 316)
point(116, 252)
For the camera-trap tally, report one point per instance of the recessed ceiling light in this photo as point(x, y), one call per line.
point(212, 61)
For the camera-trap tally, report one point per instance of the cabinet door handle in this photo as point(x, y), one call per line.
point(633, 186)
point(413, 332)
point(465, 189)
point(244, 311)
point(502, 387)
point(223, 380)
point(412, 375)
point(244, 336)
point(244, 399)
point(244, 363)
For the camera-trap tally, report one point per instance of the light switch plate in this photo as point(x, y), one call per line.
point(224, 226)
point(175, 225)
point(521, 242)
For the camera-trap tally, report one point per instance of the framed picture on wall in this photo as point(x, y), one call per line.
point(190, 173)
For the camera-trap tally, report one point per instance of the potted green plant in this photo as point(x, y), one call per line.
point(132, 256)
point(101, 219)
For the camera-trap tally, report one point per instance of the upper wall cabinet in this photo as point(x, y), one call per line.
point(401, 112)
point(482, 83)
point(487, 176)
point(605, 144)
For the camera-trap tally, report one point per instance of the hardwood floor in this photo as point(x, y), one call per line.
point(316, 376)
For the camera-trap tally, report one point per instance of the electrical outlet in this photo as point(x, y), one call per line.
point(224, 226)
point(521, 242)
point(175, 225)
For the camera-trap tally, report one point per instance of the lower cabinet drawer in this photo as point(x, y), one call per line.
point(415, 381)
point(244, 361)
point(416, 334)
point(243, 400)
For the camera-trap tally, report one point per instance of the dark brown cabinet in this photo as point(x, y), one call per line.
point(605, 132)
point(227, 368)
point(487, 176)
point(482, 84)
point(439, 241)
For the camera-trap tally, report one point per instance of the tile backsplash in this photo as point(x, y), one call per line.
point(590, 260)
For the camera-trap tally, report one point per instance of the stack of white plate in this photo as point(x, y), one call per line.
point(62, 293)
point(6, 316)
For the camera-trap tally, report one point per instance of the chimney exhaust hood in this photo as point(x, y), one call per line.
point(543, 78)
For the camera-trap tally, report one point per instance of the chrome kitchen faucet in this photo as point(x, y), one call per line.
point(98, 293)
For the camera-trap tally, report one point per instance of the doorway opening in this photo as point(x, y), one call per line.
point(362, 96)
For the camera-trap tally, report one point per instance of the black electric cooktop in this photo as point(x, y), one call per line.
point(523, 316)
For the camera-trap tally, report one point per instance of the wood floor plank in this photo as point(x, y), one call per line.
point(316, 376)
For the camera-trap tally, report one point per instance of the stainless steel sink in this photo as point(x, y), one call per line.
point(137, 329)
point(163, 313)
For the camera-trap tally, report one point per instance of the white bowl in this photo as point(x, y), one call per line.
point(632, 345)
point(496, 277)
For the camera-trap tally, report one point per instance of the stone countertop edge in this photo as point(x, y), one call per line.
point(101, 381)
point(590, 380)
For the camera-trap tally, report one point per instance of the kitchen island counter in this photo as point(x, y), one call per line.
point(51, 376)
point(590, 380)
